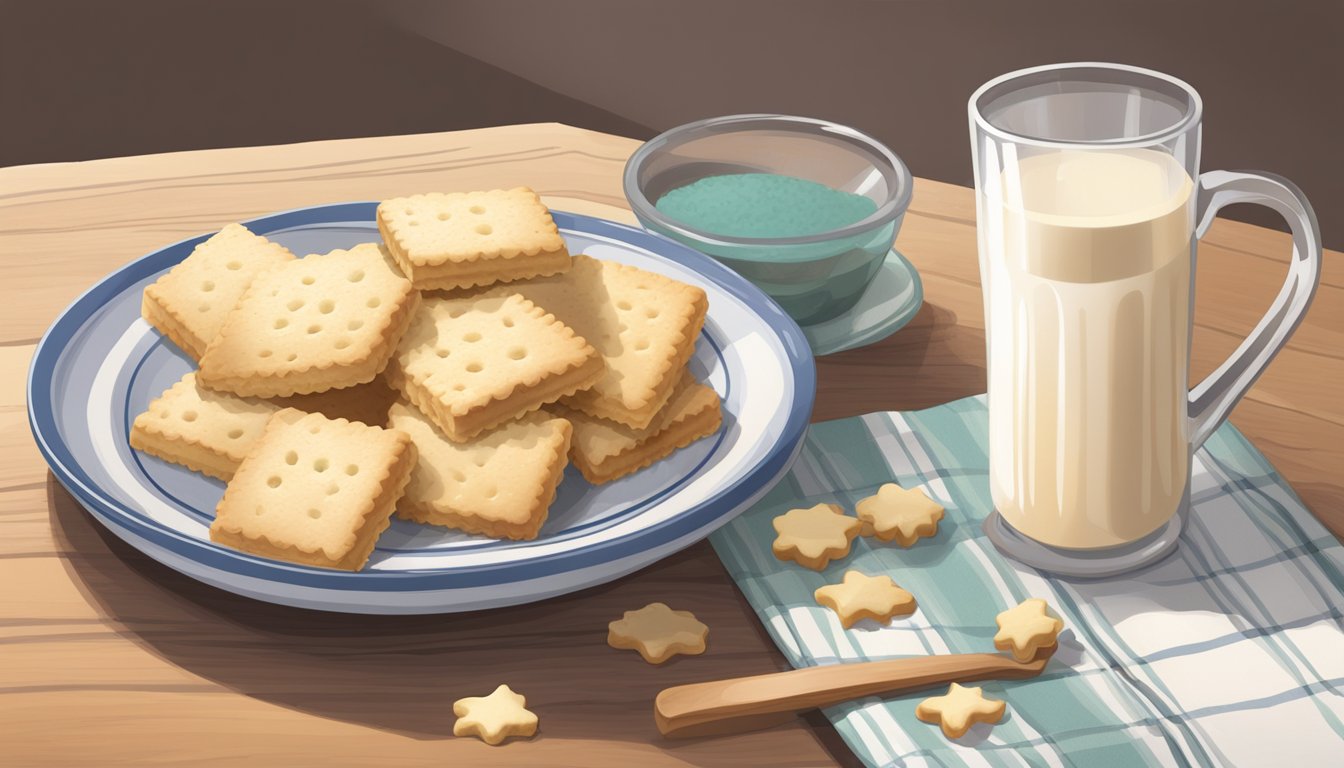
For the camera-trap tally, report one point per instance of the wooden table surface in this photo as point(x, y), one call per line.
point(107, 658)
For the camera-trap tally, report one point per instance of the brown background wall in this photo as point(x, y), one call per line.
point(82, 80)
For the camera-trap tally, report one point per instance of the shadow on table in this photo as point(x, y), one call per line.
point(402, 673)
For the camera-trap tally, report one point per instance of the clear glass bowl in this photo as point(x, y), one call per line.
point(815, 277)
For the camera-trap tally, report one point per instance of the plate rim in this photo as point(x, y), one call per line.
point(55, 451)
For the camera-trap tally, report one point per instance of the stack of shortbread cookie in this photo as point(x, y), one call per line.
point(448, 375)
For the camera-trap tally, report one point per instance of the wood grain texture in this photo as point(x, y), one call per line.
point(111, 659)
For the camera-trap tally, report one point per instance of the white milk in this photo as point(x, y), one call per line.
point(1087, 312)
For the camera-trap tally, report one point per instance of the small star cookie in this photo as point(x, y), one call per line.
point(814, 536)
point(494, 718)
point(895, 513)
point(866, 597)
point(658, 633)
point(960, 709)
point(1026, 628)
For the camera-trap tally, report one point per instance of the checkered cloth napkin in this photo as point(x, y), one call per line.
point(1229, 652)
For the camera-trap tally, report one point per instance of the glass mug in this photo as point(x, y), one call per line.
point(1089, 203)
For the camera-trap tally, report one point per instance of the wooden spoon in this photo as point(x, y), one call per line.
point(760, 701)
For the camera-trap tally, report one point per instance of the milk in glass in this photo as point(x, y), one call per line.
point(1087, 306)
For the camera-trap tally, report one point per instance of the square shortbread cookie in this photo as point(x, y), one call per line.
point(205, 430)
point(604, 450)
point(317, 323)
point(644, 325)
point(315, 491)
point(470, 364)
point(501, 483)
point(472, 238)
point(190, 302)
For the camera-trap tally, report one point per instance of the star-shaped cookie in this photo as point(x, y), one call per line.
point(494, 718)
point(1026, 628)
point(900, 515)
point(961, 708)
point(860, 597)
point(814, 536)
point(658, 633)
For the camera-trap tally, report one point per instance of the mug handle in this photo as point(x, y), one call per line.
point(1213, 398)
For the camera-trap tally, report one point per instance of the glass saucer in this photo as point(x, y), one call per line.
point(890, 301)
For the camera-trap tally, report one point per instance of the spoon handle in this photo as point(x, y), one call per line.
point(747, 703)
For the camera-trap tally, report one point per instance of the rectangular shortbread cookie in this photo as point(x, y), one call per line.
point(500, 484)
point(200, 428)
point(190, 302)
point(604, 450)
point(470, 364)
point(644, 325)
point(317, 323)
point(463, 239)
point(315, 491)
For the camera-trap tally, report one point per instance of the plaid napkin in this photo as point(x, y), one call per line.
point(1229, 652)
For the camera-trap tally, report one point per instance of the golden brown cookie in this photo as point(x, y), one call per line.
point(658, 633)
point(205, 430)
point(317, 323)
point(961, 708)
point(494, 718)
point(463, 239)
point(900, 515)
point(500, 483)
point(315, 491)
point(604, 450)
point(860, 597)
point(643, 324)
point(471, 364)
point(190, 302)
point(1026, 628)
point(814, 536)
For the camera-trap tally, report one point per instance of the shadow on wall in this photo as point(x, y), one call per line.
point(903, 70)
point(103, 80)
point(97, 80)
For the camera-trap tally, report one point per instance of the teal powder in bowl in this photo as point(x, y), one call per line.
point(774, 198)
point(763, 205)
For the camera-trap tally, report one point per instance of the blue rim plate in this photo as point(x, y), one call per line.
point(100, 364)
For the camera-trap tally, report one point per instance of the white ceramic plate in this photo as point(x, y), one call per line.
point(100, 364)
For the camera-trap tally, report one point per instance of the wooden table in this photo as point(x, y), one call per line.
point(107, 658)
